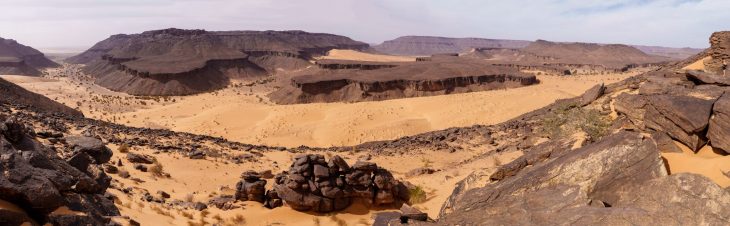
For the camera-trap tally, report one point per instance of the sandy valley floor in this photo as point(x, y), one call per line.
point(242, 112)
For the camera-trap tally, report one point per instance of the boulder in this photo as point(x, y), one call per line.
point(251, 188)
point(719, 129)
point(592, 94)
point(708, 78)
point(92, 147)
point(682, 117)
point(140, 158)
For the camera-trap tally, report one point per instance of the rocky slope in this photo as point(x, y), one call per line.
point(180, 62)
point(372, 82)
point(17, 96)
point(427, 45)
point(18, 59)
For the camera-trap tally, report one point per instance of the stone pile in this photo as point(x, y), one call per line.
point(315, 184)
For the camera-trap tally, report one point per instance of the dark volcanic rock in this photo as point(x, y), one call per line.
point(92, 147)
point(251, 188)
point(38, 181)
point(314, 184)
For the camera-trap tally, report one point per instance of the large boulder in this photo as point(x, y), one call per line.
point(682, 117)
point(719, 131)
point(251, 187)
point(93, 147)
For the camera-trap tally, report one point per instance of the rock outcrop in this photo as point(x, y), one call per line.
point(315, 184)
point(41, 184)
point(18, 59)
point(181, 62)
point(720, 53)
point(618, 180)
point(425, 78)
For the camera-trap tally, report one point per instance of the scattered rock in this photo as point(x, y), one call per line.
point(140, 167)
point(140, 158)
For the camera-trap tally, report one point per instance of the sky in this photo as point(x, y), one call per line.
point(81, 23)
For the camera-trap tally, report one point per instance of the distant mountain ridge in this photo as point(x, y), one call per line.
point(19, 59)
point(428, 45)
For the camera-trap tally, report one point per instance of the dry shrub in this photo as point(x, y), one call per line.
point(417, 195)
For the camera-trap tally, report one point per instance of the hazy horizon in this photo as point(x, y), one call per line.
point(79, 24)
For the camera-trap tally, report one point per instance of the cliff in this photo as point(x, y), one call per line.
point(19, 59)
point(425, 78)
point(181, 62)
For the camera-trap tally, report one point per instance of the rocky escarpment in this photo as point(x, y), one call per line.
point(18, 59)
point(427, 45)
point(180, 62)
point(424, 78)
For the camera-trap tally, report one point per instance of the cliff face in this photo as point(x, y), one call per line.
point(403, 80)
point(720, 52)
point(181, 62)
point(19, 59)
point(426, 45)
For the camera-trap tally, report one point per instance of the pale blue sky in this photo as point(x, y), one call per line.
point(674, 23)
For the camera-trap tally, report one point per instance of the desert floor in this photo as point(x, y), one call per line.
point(243, 113)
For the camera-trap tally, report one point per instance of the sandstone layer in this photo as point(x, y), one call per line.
point(372, 82)
point(181, 62)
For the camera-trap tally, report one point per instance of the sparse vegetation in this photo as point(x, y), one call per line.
point(567, 119)
point(124, 148)
point(157, 170)
point(427, 163)
point(417, 195)
point(337, 220)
